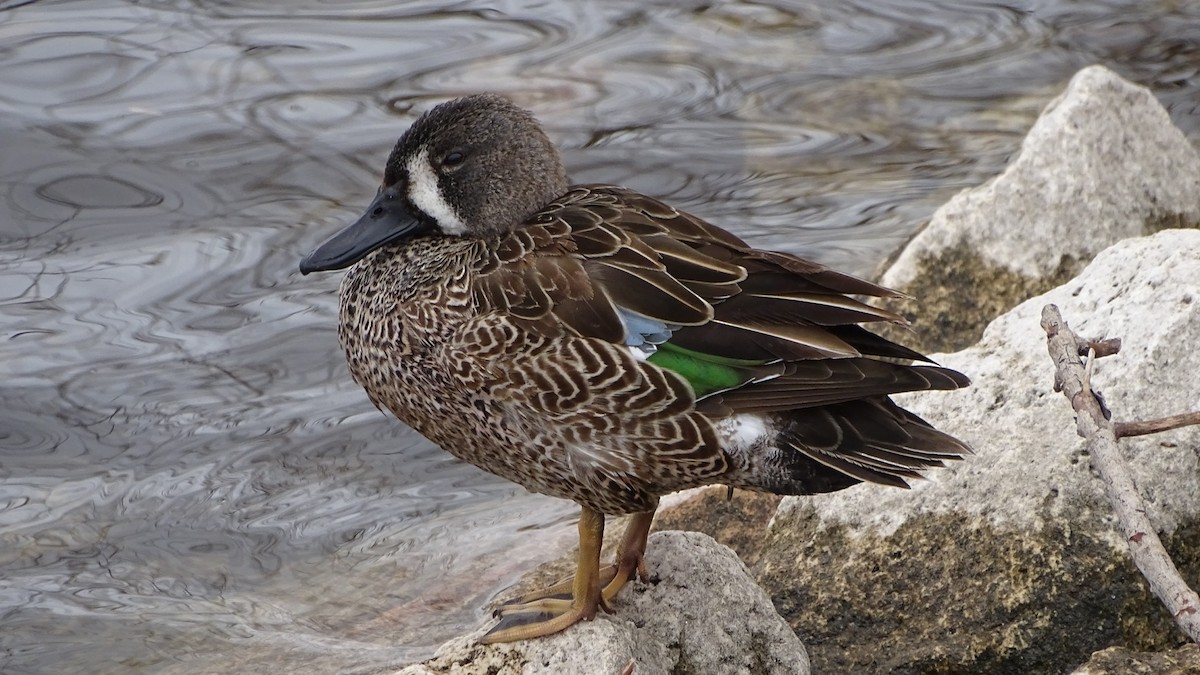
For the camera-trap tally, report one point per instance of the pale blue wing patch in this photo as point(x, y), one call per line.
point(643, 334)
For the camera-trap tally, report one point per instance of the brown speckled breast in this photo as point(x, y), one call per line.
point(562, 415)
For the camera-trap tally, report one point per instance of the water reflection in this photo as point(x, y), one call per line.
point(188, 478)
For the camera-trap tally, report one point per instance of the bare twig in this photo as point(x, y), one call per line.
point(1127, 429)
point(1093, 424)
point(1087, 368)
point(1102, 347)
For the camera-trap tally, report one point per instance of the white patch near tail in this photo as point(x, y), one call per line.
point(742, 432)
point(641, 354)
point(426, 194)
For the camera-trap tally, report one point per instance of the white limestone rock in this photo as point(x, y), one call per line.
point(1013, 550)
point(1145, 291)
point(1103, 163)
point(704, 614)
point(1102, 159)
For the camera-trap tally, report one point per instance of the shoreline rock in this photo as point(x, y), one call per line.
point(701, 613)
point(1009, 561)
point(1102, 163)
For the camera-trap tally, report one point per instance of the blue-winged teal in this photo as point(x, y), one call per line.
point(595, 344)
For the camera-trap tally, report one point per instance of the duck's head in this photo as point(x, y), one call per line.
point(473, 167)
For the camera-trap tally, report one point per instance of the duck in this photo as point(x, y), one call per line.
point(596, 344)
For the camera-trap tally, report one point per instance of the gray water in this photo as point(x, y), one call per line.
point(189, 480)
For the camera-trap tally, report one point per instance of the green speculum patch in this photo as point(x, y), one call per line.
point(704, 372)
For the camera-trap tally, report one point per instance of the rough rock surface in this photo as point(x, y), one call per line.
point(738, 521)
point(1009, 561)
point(703, 614)
point(1120, 661)
point(1101, 164)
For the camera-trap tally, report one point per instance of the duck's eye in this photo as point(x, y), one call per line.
point(453, 159)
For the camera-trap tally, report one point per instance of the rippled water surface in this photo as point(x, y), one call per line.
point(189, 480)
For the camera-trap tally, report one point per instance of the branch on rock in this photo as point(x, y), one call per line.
point(1093, 424)
point(1126, 429)
point(1102, 347)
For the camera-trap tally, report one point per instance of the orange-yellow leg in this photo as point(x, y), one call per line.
point(585, 592)
point(612, 578)
point(630, 554)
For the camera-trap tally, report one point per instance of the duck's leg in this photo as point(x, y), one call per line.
point(631, 554)
point(612, 578)
point(525, 621)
